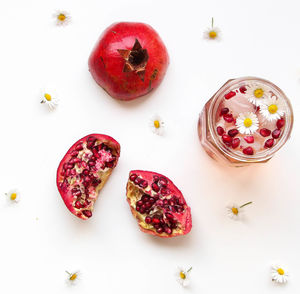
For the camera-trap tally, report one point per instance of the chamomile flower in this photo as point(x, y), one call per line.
point(256, 93)
point(62, 18)
point(73, 277)
point(157, 125)
point(212, 33)
point(235, 211)
point(182, 276)
point(13, 196)
point(50, 100)
point(247, 123)
point(279, 275)
point(272, 108)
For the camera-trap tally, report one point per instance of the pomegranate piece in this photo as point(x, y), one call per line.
point(224, 110)
point(220, 131)
point(276, 134)
point(269, 143)
point(232, 133)
point(227, 139)
point(230, 95)
point(249, 139)
point(84, 170)
point(248, 151)
point(280, 123)
point(129, 60)
point(228, 117)
point(243, 89)
point(160, 211)
point(265, 132)
point(235, 143)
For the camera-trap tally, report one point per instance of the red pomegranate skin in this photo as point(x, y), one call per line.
point(184, 218)
point(107, 65)
point(65, 191)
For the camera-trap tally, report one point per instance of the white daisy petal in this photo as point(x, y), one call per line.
point(73, 277)
point(247, 123)
point(278, 274)
point(62, 18)
point(256, 93)
point(213, 33)
point(13, 196)
point(50, 100)
point(157, 125)
point(182, 276)
point(272, 108)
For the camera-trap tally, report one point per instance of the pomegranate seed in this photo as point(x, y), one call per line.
point(148, 220)
point(164, 191)
point(168, 230)
point(280, 123)
point(248, 151)
point(68, 172)
point(155, 187)
point(169, 215)
point(78, 204)
point(155, 221)
point(180, 209)
point(159, 203)
point(249, 139)
point(73, 172)
point(133, 177)
point(243, 89)
point(87, 213)
point(220, 131)
point(163, 182)
point(138, 208)
point(159, 230)
point(226, 139)
point(152, 200)
point(79, 147)
point(276, 134)
point(85, 172)
point(137, 180)
point(224, 110)
point(228, 118)
point(265, 132)
point(95, 152)
point(74, 153)
point(91, 163)
point(166, 202)
point(139, 203)
point(155, 178)
point(230, 95)
point(143, 184)
point(110, 164)
point(232, 133)
point(235, 143)
point(70, 165)
point(269, 143)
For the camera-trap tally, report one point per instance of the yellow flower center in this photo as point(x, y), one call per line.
point(13, 196)
point(248, 122)
point(258, 93)
point(280, 271)
point(182, 275)
point(273, 108)
point(61, 17)
point(213, 34)
point(73, 277)
point(156, 124)
point(234, 210)
point(48, 97)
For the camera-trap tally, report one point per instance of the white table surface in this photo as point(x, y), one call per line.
point(40, 238)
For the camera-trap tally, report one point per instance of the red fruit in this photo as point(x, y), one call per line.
point(249, 139)
point(276, 133)
point(220, 131)
point(224, 110)
point(129, 60)
point(232, 133)
point(228, 117)
point(248, 151)
point(269, 143)
point(81, 177)
point(235, 143)
point(227, 139)
point(230, 95)
point(161, 214)
point(265, 132)
point(280, 123)
point(243, 89)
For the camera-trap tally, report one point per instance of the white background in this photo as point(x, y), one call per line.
point(40, 238)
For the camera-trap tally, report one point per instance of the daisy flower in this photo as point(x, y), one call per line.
point(256, 93)
point(212, 33)
point(50, 100)
point(235, 211)
point(62, 17)
point(278, 274)
point(183, 276)
point(73, 277)
point(247, 123)
point(157, 125)
point(272, 108)
point(13, 196)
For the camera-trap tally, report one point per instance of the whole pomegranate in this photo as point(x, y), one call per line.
point(158, 205)
point(84, 170)
point(129, 60)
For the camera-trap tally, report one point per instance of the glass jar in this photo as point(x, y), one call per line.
point(247, 121)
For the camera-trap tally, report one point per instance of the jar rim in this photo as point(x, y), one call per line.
point(261, 156)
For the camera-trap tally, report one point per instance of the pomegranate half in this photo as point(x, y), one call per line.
point(158, 205)
point(84, 170)
point(129, 60)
